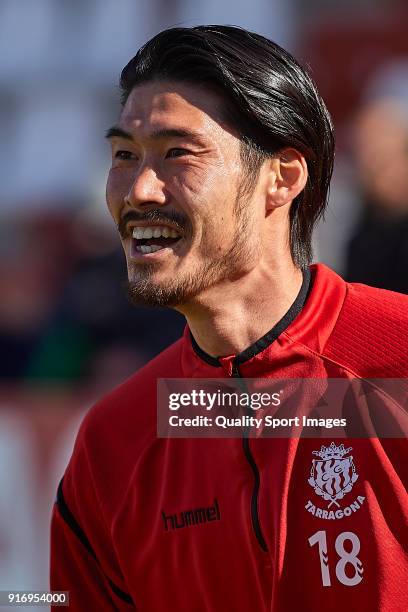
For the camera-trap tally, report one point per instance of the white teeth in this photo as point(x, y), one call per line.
point(152, 248)
point(144, 233)
point(137, 232)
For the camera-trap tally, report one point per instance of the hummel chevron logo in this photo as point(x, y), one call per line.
point(188, 518)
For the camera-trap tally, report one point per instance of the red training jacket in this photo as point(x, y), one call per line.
point(263, 539)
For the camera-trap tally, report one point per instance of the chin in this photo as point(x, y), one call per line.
point(146, 288)
point(148, 293)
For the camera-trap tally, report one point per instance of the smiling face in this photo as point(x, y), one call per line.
point(176, 192)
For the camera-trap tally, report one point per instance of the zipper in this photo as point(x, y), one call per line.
point(256, 524)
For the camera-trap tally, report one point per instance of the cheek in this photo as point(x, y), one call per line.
point(199, 179)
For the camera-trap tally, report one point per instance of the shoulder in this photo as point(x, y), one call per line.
point(132, 404)
point(118, 428)
point(371, 332)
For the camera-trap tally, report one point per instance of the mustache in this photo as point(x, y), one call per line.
point(176, 219)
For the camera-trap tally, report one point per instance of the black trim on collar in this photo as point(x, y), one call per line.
point(261, 344)
point(70, 520)
point(213, 361)
point(281, 325)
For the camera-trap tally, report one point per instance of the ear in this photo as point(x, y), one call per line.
point(287, 177)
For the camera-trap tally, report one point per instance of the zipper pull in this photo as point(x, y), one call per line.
point(234, 371)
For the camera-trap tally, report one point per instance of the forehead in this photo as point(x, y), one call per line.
point(163, 104)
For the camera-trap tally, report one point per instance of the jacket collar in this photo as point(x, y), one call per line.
point(309, 321)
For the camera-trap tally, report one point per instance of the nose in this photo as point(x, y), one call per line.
point(146, 189)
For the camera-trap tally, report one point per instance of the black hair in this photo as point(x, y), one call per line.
point(270, 100)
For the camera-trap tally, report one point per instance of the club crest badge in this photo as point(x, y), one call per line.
point(332, 476)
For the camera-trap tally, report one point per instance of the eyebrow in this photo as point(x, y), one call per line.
point(118, 132)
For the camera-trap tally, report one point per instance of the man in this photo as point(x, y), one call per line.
point(221, 162)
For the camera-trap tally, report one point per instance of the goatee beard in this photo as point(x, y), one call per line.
point(145, 292)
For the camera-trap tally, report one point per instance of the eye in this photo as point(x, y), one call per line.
point(123, 155)
point(177, 152)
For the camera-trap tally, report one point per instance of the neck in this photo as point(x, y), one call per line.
point(232, 315)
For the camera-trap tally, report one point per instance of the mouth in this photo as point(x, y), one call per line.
point(153, 238)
